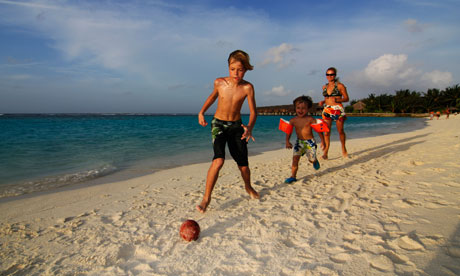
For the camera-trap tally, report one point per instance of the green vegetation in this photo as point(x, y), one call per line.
point(405, 101)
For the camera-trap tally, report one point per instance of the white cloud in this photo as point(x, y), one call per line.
point(391, 72)
point(438, 78)
point(385, 69)
point(278, 91)
point(151, 42)
point(155, 46)
point(279, 55)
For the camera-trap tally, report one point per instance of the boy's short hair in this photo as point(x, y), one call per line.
point(304, 99)
point(241, 56)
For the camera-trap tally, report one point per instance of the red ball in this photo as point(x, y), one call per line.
point(190, 230)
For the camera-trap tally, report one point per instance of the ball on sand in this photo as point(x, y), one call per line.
point(190, 230)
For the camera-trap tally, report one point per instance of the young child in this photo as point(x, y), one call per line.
point(305, 143)
point(227, 127)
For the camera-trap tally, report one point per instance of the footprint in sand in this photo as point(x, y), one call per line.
point(341, 258)
point(391, 227)
point(112, 219)
point(409, 244)
point(400, 172)
point(402, 204)
point(396, 258)
point(434, 205)
point(382, 263)
point(416, 163)
point(424, 184)
point(141, 206)
point(374, 229)
point(341, 203)
point(125, 252)
point(384, 182)
point(432, 240)
point(406, 203)
point(350, 237)
point(352, 247)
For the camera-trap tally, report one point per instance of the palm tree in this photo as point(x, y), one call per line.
point(451, 96)
point(384, 102)
point(432, 99)
point(370, 103)
point(401, 100)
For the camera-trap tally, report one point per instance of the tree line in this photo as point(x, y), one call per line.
point(406, 101)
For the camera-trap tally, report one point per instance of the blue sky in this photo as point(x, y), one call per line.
point(163, 56)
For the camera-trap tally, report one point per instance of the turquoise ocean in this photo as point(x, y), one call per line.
point(40, 152)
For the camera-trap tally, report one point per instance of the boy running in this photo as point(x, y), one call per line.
point(227, 127)
point(305, 142)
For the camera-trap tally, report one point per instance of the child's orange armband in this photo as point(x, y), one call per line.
point(285, 126)
point(320, 126)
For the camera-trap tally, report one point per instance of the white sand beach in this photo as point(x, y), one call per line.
point(393, 208)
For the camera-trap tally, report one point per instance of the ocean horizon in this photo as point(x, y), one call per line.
point(45, 151)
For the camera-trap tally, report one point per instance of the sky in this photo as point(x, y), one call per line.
point(162, 56)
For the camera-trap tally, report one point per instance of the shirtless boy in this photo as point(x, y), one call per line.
point(305, 143)
point(227, 127)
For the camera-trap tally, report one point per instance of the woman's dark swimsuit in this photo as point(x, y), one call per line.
point(333, 112)
point(229, 132)
point(335, 91)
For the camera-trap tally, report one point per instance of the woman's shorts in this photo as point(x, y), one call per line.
point(334, 112)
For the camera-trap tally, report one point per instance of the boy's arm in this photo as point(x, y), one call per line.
point(288, 143)
point(252, 115)
point(209, 101)
point(288, 136)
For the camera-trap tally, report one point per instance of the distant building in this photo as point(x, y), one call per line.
point(359, 106)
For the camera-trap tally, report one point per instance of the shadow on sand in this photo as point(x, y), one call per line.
point(367, 154)
point(447, 261)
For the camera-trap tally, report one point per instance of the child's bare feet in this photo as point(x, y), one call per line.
point(202, 207)
point(324, 156)
point(345, 154)
point(252, 193)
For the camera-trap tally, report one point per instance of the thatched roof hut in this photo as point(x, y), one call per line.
point(359, 106)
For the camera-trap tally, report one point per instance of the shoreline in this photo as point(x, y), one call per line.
point(410, 115)
point(149, 166)
point(392, 208)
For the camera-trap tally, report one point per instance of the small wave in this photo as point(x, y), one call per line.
point(374, 125)
point(52, 182)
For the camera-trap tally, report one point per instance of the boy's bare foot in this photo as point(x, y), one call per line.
point(324, 157)
point(202, 207)
point(252, 193)
point(345, 154)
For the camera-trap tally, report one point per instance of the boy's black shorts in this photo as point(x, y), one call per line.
point(229, 132)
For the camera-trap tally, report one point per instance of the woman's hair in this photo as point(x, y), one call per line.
point(304, 99)
point(242, 57)
point(335, 72)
